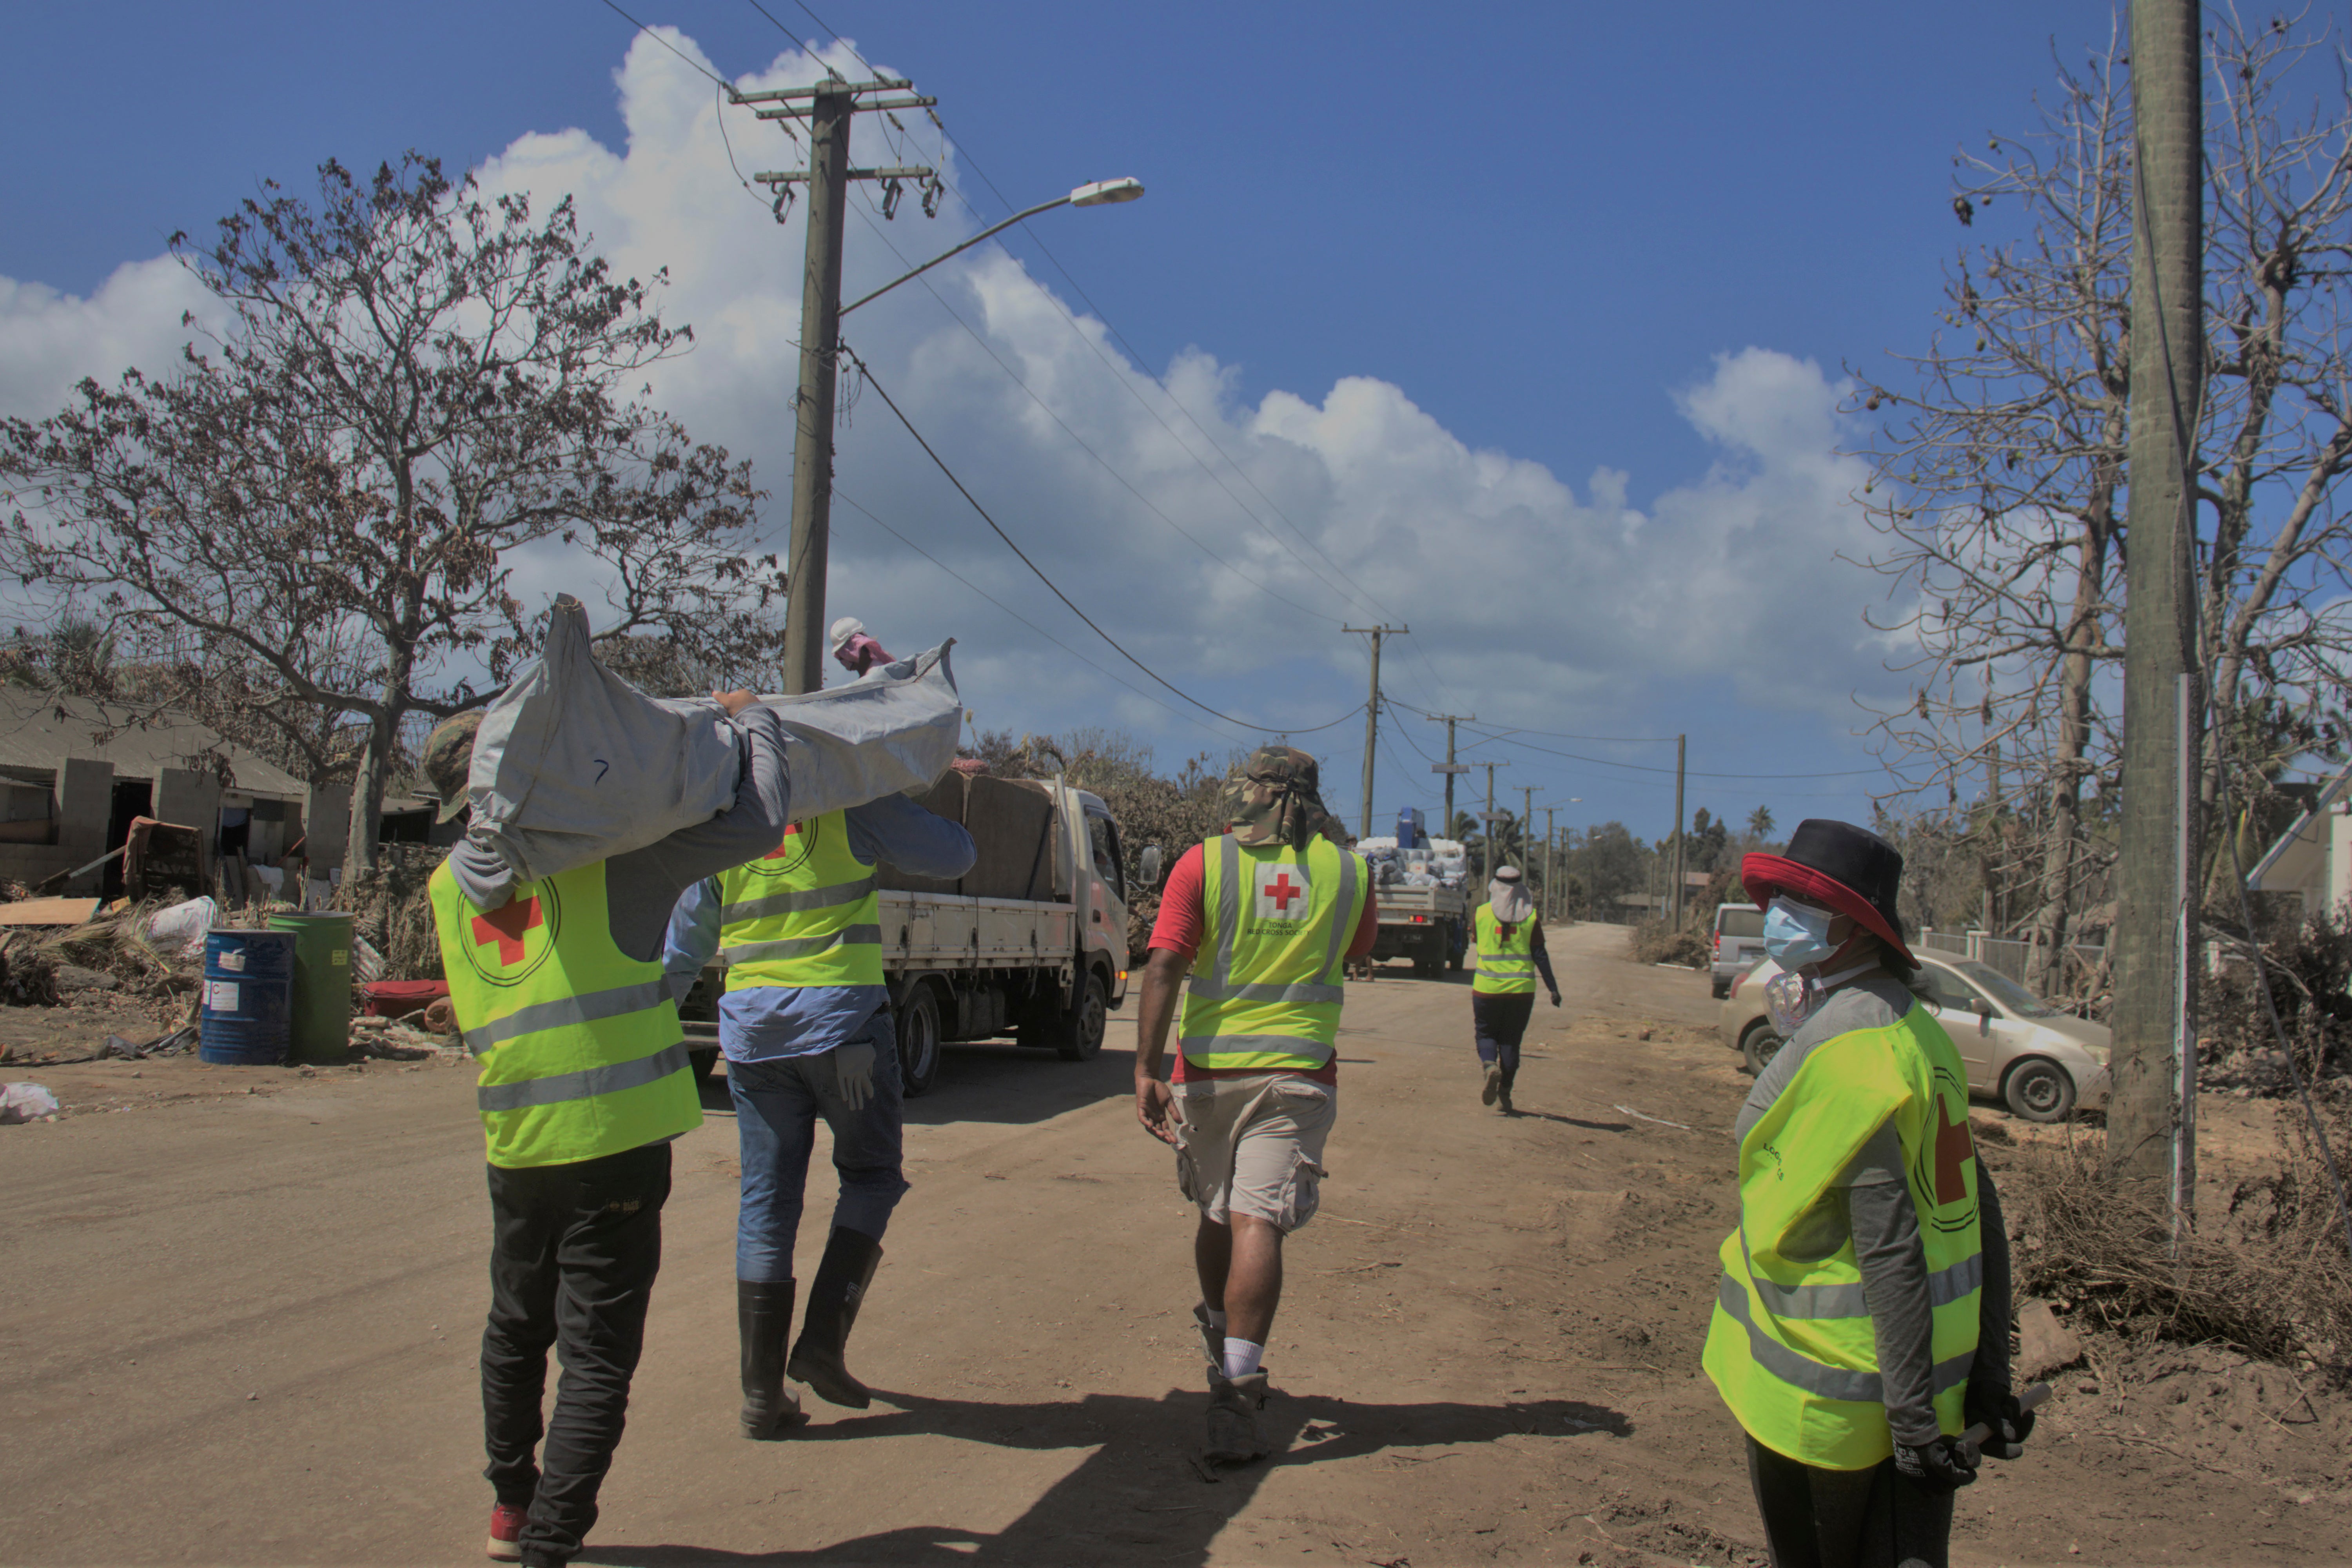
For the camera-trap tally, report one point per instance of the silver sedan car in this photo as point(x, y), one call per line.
point(2041, 1061)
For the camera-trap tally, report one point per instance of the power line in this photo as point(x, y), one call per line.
point(1124, 483)
point(1065, 648)
point(866, 370)
point(665, 43)
point(1511, 739)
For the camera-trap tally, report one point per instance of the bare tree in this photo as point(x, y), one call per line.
point(321, 513)
point(2001, 471)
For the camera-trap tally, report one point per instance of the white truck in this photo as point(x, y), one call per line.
point(1030, 942)
point(1421, 917)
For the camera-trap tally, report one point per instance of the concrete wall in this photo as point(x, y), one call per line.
point(189, 800)
point(327, 819)
point(85, 804)
point(28, 863)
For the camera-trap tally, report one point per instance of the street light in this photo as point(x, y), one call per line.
point(813, 445)
point(1096, 194)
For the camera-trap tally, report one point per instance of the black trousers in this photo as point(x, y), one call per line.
point(1499, 1020)
point(1876, 1518)
point(573, 1258)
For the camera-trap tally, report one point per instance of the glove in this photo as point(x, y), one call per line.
point(854, 1066)
point(1999, 1410)
point(1555, 998)
point(1943, 1466)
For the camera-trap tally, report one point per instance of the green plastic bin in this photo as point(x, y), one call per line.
point(321, 1018)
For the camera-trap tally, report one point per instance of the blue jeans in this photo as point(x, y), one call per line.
point(777, 1103)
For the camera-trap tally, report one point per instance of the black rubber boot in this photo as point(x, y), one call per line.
point(834, 1295)
point(763, 1321)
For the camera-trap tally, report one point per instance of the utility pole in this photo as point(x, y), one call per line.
point(1527, 828)
point(829, 108)
point(1372, 713)
point(1450, 767)
point(1552, 846)
point(1677, 890)
point(2153, 989)
point(1489, 858)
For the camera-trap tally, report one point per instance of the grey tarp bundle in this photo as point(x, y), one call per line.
point(573, 764)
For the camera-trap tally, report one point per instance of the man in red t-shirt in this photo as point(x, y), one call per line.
point(1249, 1139)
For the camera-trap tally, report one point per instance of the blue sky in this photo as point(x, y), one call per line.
point(1558, 295)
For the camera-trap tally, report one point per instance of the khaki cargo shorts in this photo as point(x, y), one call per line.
point(1254, 1145)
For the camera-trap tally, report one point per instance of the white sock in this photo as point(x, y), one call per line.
point(1242, 1357)
point(1216, 1320)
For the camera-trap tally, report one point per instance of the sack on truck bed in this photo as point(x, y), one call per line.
point(573, 764)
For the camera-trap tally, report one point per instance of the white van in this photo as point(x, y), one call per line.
point(1738, 942)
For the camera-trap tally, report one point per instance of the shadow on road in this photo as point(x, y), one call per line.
point(1004, 1083)
point(1138, 1496)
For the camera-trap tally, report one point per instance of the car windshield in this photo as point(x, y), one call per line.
point(2014, 998)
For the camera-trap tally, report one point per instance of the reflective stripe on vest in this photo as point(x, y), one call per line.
point(579, 1044)
point(806, 913)
point(1791, 1346)
point(1269, 977)
point(1506, 964)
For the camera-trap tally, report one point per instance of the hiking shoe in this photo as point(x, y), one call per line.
point(1503, 1103)
point(506, 1533)
point(1493, 1084)
point(1212, 1338)
point(1234, 1435)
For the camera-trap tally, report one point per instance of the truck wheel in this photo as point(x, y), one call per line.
point(1079, 1036)
point(2038, 1089)
point(1759, 1044)
point(918, 1042)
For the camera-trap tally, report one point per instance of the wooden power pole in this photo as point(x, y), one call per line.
point(1372, 714)
point(1676, 892)
point(1449, 767)
point(829, 107)
point(2152, 986)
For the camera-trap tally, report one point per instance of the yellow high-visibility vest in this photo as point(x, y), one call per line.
point(579, 1044)
point(1791, 1347)
point(806, 913)
point(1506, 964)
point(1271, 970)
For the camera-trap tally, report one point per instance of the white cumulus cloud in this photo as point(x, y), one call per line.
point(1224, 544)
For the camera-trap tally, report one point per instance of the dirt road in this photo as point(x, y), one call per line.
point(242, 1328)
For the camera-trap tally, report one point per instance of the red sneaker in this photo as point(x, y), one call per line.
point(506, 1533)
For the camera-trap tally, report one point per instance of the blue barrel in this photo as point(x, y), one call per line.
point(248, 998)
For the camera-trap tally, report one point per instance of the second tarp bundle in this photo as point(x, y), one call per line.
point(573, 764)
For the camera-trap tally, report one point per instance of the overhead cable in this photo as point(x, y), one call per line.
point(868, 372)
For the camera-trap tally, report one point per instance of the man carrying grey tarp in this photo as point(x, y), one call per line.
point(552, 949)
point(557, 984)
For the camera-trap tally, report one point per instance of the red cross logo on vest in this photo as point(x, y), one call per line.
point(792, 831)
point(1953, 1149)
point(1283, 895)
point(506, 927)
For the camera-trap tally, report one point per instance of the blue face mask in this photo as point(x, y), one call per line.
point(1795, 934)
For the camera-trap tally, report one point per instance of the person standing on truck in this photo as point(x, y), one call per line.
point(807, 1028)
point(558, 990)
point(1265, 920)
point(1861, 1323)
point(1503, 991)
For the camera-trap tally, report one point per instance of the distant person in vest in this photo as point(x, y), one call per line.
point(1861, 1321)
point(558, 992)
point(1265, 920)
point(807, 1029)
point(1503, 991)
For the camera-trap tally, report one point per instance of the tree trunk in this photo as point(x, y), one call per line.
point(2047, 956)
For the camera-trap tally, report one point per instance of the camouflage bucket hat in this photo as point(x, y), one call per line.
point(1275, 798)
point(448, 757)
